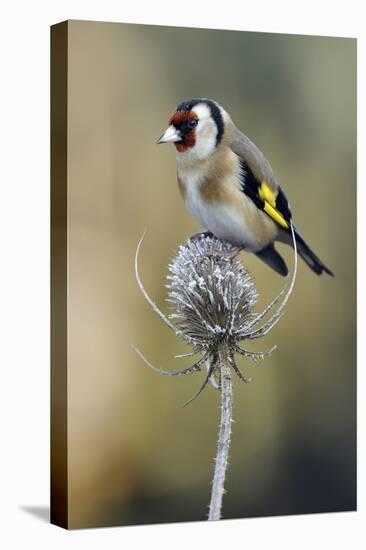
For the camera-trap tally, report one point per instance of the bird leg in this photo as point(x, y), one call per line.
point(202, 235)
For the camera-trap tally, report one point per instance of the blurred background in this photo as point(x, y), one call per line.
point(135, 455)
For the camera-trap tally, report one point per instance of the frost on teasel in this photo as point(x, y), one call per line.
point(212, 299)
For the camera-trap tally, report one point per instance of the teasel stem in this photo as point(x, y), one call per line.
point(223, 443)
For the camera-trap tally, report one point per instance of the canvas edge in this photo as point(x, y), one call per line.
point(58, 291)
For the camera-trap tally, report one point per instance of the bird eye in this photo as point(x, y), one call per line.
point(193, 122)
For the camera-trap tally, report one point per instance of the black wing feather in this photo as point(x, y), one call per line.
point(251, 185)
point(283, 206)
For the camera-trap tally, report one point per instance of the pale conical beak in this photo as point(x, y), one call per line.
point(171, 135)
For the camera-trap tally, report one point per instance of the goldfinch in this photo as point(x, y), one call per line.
point(228, 185)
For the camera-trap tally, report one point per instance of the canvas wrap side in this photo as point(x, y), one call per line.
point(59, 477)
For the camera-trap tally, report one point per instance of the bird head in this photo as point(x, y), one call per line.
point(196, 128)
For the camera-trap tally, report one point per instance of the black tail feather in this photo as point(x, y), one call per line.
point(309, 257)
point(271, 257)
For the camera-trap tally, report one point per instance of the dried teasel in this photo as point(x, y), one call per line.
point(212, 298)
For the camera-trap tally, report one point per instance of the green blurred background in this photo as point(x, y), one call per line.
point(135, 455)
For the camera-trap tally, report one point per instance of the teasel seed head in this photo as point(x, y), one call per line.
point(212, 299)
point(211, 294)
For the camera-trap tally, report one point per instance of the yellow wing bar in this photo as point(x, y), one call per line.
point(275, 215)
point(269, 198)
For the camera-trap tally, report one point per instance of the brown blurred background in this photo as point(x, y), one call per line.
point(135, 455)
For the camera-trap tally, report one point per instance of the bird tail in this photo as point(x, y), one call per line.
point(271, 257)
point(309, 257)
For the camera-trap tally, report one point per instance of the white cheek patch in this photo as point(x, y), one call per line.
point(202, 111)
point(206, 133)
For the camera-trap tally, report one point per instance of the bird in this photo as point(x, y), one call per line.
point(229, 187)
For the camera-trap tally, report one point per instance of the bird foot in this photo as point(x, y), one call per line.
point(230, 254)
point(203, 235)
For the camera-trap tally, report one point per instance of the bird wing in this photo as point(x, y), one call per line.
point(258, 182)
